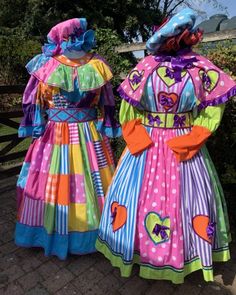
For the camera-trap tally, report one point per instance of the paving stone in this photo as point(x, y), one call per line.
point(69, 289)
point(81, 264)
point(30, 280)
point(188, 288)
point(7, 248)
point(13, 273)
point(103, 265)
point(37, 290)
point(27, 260)
point(12, 289)
point(212, 289)
point(48, 269)
point(161, 288)
point(58, 280)
point(88, 280)
point(135, 286)
point(109, 284)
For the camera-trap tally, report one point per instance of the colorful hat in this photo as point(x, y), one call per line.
point(69, 35)
point(185, 19)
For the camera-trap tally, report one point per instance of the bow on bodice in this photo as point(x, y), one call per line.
point(178, 65)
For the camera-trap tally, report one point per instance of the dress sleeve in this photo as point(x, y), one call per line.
point(188, 145)
point(134, 133)
point(33, 122)
point(108, 125)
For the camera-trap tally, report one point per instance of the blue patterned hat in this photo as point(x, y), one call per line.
point(185, 19)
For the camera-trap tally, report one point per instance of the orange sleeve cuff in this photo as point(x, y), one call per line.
point(136, 136)
point(188, 145)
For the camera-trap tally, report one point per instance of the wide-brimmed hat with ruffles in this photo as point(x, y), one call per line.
point(185, 19)
point(69, 35)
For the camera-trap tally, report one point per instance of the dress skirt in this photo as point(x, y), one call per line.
point(168, 217)
point(61, 189)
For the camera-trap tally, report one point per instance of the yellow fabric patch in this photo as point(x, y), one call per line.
point(95, 135)
point(101, 68)
point(106, 176)
point(75, 159)
point(78, 217)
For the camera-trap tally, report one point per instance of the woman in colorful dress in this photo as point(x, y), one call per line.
point(69, 164)
point(165, 208)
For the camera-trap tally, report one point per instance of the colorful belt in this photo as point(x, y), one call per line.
point(72, 115)
point(167, 120)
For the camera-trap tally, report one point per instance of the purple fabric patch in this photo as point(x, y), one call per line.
point(211, 229)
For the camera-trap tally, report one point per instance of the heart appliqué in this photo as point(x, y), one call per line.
point(167, 100)
point(161, 72)
point(152, 221)
point(209, 79)
point(200, 225)
point(135, 79)
point(119, 215)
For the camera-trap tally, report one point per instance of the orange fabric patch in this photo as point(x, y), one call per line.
point(200, 224)
point(61, 133)
point(63, 190)
point(120, 215)
point(188, 145)
point(136, 136)
point(74, 62)
point(51, 189)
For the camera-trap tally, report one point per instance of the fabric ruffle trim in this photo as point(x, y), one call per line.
point(218, 100)
point(91, 72)
point(129, 99)
point(109, 131)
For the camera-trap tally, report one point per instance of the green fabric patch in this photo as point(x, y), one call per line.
point(49, 217)
point(55, 160)
point(62, 77)
point(89, 78)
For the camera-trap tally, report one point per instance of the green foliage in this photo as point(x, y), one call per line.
point(222, 145)
point(15, 53)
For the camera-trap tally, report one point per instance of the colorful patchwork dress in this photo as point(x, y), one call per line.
point(165, 209)
point(69, 164)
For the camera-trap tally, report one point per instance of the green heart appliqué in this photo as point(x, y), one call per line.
point(157, 228)
point(161, 72)
point(213, 77)
point(135, 79)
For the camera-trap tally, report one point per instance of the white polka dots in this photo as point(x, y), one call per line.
point(174, 245)
point(197, 78)
point(157, 177)
point(163, 184)
point(163, 245)
point(222, 83)
point(163, 198)
point(156, 190)
point(152, 170)
point(154, 157)
point(174, 191)
point(153, 250)
point(173, 258)
point(140, 235)
point(154, 204)
point(144, 254)
point(145, 210)
point(150, 183)
point(174, 205)
point(174, 232)
point(159, 258)
point(147, 243)
point(173, 164)
point(173, 177)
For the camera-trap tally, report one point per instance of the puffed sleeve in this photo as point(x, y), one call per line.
point(108, 125)
point(188, 145)
point(33, 122)
point(134, 133)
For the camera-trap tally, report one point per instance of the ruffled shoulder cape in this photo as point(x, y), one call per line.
point(212, 85)
point(92, 71)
